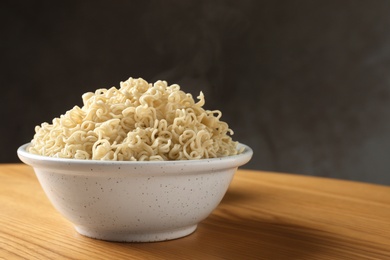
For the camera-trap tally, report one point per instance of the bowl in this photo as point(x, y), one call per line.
point(140, 201)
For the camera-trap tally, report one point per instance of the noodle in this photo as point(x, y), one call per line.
point(137, 122)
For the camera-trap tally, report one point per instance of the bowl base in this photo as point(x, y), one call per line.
point(136, 237)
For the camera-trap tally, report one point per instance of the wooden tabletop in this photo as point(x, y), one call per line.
point(263, 216)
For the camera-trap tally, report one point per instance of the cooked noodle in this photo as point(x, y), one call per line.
point(138, 121)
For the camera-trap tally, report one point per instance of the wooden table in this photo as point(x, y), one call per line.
point(263, 216)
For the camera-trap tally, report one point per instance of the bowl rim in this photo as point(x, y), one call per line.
point(40, 161)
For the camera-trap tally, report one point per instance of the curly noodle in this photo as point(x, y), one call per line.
point(138, 121)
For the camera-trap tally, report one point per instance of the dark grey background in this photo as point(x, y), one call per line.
point(305, 83)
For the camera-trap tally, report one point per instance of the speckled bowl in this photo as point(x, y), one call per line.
point(135, 201)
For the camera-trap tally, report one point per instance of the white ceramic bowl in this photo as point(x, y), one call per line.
point(135, 201)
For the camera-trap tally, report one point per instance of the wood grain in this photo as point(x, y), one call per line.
point(263, 216)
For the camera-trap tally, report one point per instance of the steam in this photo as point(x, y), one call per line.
point(193, 37)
